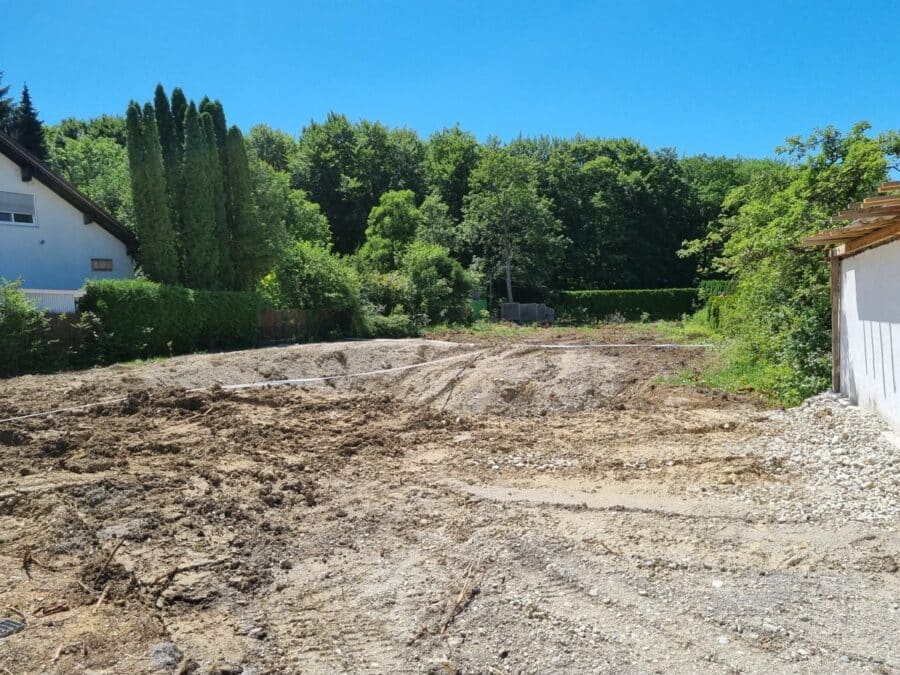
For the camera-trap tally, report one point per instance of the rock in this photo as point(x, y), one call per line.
point(165, 655)
point(223, 668)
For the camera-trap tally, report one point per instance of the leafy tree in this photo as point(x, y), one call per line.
point(282, 209)
point(510, 222)
point(27, 129)
point(253, 242)
point(438, 286)
point(109, 127)
point(345, 168)
point(152, 223)
point(198, 208)
point(7, 107)
point(438, 226)
point(779, 313)
point(392, 227)
point(452, 155)
point(99, 168)
point(276, 148)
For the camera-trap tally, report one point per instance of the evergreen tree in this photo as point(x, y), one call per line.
point(27, 129)
point(179, 113)
point(252, 247)
point(151, 212)
point(171, 152)
point(198, 208)
point(7, 107)
point(214, 169)
point(217, 112)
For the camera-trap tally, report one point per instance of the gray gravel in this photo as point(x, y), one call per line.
point(847, 458)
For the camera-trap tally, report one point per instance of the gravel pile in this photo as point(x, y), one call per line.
point(850, 465)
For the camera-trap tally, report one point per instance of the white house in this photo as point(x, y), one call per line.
point(52, 237)
point(865, 299)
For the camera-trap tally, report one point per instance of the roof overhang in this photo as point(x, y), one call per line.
point(872, 222)
point(32, 168)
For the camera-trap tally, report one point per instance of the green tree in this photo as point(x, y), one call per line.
point(452, 155)
point(179, 116)
point(276, 148)
point(27, 128)
point(158, 257)
point(511, 224)
point(253, 243)
point(7, 107)
point(99, 168)
point(392, 227)
point(438, 226)
point(198, 208)
point(282, 209)
point(172, 148)
point(779, 313)
point(214, 171)
point(438, 285)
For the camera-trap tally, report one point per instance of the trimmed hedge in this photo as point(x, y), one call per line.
point(129, 319)
point(657, 303)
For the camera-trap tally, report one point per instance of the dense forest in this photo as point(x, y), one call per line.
point(356, 212)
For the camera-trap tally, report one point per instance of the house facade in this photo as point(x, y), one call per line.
point(865, 299)
point(52, 237)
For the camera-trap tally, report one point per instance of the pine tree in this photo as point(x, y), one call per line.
point(217, 112)
point(7, 107)
point(214, 169)
point(27, 129)
point(251, 246)
point(198, 208)
point(155, 233)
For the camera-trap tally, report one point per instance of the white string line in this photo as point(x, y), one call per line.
point(369, 373)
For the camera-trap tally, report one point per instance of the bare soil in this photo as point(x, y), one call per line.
point(509, 508)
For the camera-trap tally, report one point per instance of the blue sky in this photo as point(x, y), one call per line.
point(716, 77)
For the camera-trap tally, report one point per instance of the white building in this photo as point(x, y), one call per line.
point(52, 237)
point(865, 297)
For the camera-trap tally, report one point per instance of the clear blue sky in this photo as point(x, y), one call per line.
point(717, 77)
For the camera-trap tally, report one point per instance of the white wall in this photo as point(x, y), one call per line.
point(56, 254)
point(870, 330)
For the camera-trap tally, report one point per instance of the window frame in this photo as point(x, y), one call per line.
point(96, 265)
point(15, 215)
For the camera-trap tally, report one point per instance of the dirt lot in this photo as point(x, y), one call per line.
point(508, 508)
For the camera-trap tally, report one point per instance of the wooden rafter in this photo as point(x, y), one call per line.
point(873, 221)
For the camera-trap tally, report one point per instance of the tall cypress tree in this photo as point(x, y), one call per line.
point(179, 113)
point(214, 169)
point(252, 247)
point(198, 208)
point(27, 129)
point(7, 107)
point(171, 152)
point(155, 233)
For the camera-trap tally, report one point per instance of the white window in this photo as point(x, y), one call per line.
point(101, 265)
point(17, 209)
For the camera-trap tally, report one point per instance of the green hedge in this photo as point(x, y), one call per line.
point(139, 319)
point(657, 303)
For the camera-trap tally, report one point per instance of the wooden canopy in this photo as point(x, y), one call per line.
point(873, 221)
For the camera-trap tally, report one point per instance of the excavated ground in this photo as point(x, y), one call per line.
point(511, 508)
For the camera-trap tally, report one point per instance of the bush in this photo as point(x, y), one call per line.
point(385, 292)
point(439, 286)
point(308, 276)
point(23, 332)
point(657, 303)
point(396, 325)
point(128, 319)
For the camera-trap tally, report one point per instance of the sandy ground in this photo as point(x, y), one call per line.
point(509, 509)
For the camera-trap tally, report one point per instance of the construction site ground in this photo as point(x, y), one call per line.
point(512, 504)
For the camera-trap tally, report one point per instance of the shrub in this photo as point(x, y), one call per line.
point(397, 325)
point(308, 276)
point(23, 332)
point(127, 319)
point(385, 292)
point(656, 303)
point(439, 286)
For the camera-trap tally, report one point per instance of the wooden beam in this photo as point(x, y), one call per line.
point(27, 173)
point(863, 214)
point(889, 186)
point(887, 200)
point(876, 238)
point(835, 323)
